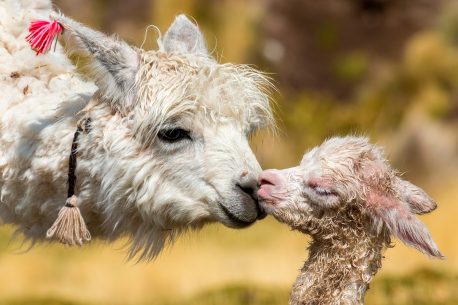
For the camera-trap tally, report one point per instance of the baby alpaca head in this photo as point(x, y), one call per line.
point(348, 174)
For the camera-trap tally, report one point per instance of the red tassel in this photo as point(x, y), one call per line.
point(42, 33)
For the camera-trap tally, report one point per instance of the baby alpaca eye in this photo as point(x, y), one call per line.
point(322, 191)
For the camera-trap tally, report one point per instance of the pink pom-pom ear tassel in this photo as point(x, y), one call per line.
point(42, 33)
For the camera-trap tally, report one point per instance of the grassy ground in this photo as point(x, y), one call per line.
point(221, 266)
point(423, 287)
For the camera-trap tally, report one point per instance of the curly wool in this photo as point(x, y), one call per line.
point(344, 256)
point(345, 195)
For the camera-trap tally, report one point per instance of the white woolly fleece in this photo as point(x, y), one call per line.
point(129, 182)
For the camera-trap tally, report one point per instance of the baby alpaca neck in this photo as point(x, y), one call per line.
point(340, 266)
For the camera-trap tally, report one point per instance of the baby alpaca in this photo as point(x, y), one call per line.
point(345, 195)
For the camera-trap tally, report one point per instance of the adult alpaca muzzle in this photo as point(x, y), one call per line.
point(168, 145)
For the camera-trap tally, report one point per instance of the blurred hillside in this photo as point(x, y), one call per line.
point(383, 68)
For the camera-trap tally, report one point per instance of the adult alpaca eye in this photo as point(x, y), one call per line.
point(173, 135)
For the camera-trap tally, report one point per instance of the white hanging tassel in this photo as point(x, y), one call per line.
point(69, 227)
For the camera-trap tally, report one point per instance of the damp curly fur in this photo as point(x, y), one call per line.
point(345, 195)
point(129, 183)
point(344, 257)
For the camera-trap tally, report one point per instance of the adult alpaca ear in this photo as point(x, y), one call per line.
point(183, 36)
point(111, 63)
point(397, 216)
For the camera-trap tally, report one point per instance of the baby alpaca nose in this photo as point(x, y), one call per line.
point(269, 177)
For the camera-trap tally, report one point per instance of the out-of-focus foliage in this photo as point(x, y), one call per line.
point(317, 36)
point(425, 80)
point(419, 90)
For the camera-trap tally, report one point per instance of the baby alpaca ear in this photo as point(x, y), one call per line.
point(183, 36)
point(111, 63)
point(397, 217)
point(419, 202)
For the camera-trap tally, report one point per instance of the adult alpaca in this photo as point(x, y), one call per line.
point(166, 148)
point(347, 198)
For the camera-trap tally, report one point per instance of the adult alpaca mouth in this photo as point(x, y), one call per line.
point(235, 222)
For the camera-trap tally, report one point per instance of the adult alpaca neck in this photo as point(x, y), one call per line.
point(341, 263)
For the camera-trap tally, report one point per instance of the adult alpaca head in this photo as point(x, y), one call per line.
point(188, 116)
point(168, 145)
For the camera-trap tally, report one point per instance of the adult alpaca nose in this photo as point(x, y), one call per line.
point(248, 184)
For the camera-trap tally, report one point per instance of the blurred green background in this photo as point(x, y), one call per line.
point(383, 68)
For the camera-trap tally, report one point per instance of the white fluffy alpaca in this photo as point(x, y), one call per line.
point(167, 149)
